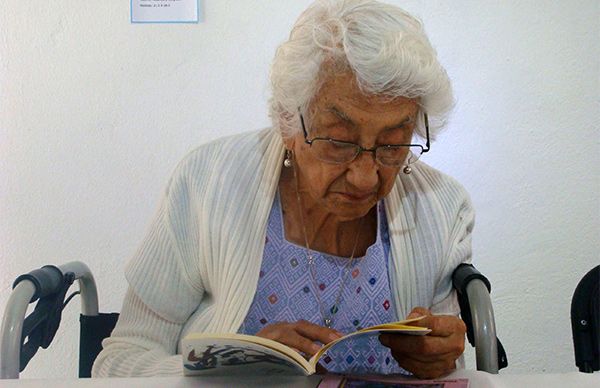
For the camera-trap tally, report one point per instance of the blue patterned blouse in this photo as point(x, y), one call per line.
point(286, 292)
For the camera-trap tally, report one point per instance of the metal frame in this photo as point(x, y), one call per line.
point(16, 308)
point(373, 150)
point(484, 326)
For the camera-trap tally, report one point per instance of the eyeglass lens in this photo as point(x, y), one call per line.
point(332, 151)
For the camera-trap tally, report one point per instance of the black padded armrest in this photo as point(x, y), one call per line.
point(47, 280)
point(463, 274)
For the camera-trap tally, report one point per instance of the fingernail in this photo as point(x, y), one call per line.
point(315, 348)
point(335, 335)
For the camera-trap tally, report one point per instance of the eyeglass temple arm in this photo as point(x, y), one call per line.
point(309, 142)
point(427, 142)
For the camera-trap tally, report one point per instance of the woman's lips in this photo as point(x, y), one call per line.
point(356, 197)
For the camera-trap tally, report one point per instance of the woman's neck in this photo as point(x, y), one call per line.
point(325, 231)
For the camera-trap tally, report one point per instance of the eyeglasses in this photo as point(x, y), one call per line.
point(339, 152)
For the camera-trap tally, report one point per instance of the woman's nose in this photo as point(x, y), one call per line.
point(363, 172)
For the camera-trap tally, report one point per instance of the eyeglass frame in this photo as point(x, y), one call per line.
point(373, 150)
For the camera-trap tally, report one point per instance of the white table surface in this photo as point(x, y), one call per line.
point(476, 380)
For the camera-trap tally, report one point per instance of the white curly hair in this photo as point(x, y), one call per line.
point(384, 46)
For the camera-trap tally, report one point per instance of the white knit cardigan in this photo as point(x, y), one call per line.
point(198, 267)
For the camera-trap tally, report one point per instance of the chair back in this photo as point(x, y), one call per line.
point(93, 329)
point(585, 322)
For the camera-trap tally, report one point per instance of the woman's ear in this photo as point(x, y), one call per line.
point(286, 119)
point(289, 143)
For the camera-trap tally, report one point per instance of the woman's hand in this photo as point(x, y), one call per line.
point(432, 355)
point(302, 335)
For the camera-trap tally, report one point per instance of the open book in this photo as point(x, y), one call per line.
point(226, 354)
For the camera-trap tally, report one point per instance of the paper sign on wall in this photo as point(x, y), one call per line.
point(165, 11)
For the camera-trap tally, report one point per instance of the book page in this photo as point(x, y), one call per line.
point(400, 327)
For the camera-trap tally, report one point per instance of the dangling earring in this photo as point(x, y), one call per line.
point(408, 169)
point(287, 162)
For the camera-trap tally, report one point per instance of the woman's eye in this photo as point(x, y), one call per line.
point(341, 145)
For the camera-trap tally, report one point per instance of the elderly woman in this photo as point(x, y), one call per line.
point(321, 225)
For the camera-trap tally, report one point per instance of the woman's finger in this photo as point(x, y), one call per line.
point(418, 349)
point(423, 345)
point(302, 335)
point(285, 333)
point(426, 370)
point(443, 325)
point(303, 344)
point(318, 333)
point(418, 312)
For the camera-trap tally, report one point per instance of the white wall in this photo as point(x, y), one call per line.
point(95, 112)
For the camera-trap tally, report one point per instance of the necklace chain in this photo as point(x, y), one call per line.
point(327, 318)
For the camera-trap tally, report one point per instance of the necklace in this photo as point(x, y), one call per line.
point(327, 318)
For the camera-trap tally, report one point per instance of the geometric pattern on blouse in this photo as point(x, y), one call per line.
point(286, 292)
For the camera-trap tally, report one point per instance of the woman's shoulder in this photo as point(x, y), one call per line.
point(432, 183)
point(226, 162)
point(244, 142)
point(433, 176)
point(237, 149)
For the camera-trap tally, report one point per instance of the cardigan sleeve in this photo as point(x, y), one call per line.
point(164, 272)
point(141, 344)
point(165, 288)
point(459, 251)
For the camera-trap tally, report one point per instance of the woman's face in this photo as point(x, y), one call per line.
point(342, 112)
